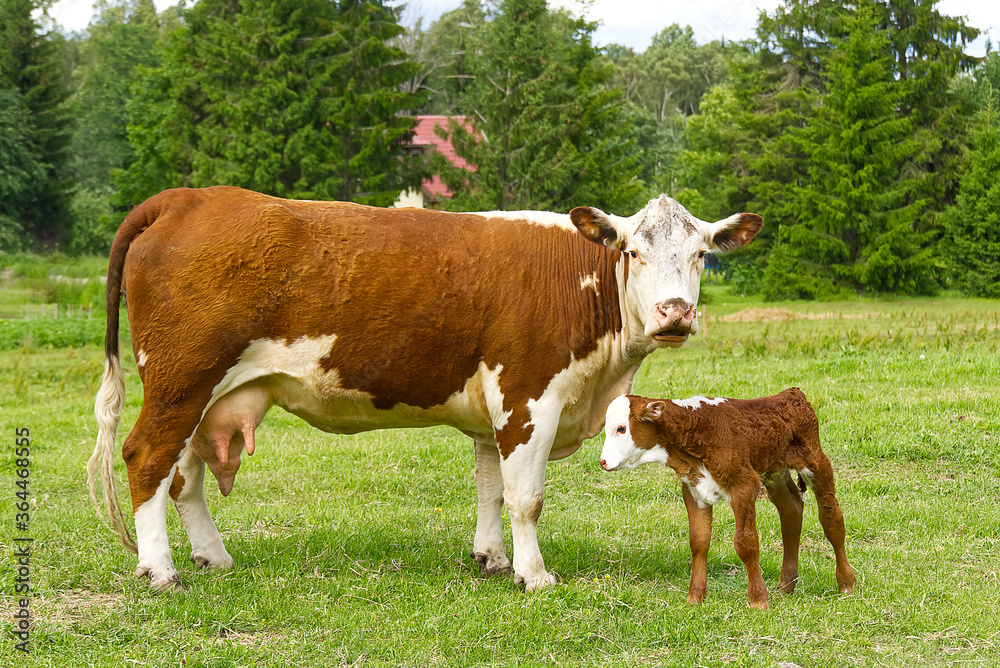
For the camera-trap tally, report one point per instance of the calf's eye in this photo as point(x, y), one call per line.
point(701, 254)
point(633, 254)
point(621, 429)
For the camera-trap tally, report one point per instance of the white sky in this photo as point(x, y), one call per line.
point(632, 22)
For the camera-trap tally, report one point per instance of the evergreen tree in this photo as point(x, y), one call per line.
point(857, 213)
point(548, 133)
point(121, 38)
point(34, 69)
point(443, 55)
point(297, 99)
point(21, 169)
point(972, 240)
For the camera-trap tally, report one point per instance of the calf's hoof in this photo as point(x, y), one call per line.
point(760, 605)
point(787, 587)
point(492, 564)
point(535, 582)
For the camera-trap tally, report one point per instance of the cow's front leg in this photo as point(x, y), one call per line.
point(524, 454)
point(488, 546)
point(188, 493)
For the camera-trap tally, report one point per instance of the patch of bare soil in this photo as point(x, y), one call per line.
point(754, 314)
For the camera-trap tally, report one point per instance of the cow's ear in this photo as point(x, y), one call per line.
point(652, 411)
point(735, 231)
point(596, 226)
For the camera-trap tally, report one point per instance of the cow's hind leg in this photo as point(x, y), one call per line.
point(151, 454)
point(188, 493)
point(820, 477)
point(488, 546)
point(787, 498)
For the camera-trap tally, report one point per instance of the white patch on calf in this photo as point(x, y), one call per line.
point(707, 492)
point(694, 403)
point(140, 358)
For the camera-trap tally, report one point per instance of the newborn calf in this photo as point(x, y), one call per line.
point(725, 449)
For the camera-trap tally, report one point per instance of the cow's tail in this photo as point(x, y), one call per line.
point(111, 396)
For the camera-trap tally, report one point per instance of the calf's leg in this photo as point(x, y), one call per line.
point(787, 498)
point(700, 537)
point(832, 519)
point(487, 549)
point(744, 503)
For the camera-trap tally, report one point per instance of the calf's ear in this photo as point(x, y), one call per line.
point(596, 226)
point(652, 411)
point(735, 231)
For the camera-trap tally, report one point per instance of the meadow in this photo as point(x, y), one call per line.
point(354, 550)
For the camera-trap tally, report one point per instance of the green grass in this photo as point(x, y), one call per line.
point(353, 550)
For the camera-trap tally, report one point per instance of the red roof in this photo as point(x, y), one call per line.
point(424, 135)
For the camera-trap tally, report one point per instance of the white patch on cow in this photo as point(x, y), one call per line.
point(151, 537)
point(590, 281)
point(140, 358)
point(543, 218)
point(694, 403)
point(494, 397)
point(298, 359)
point(707, 492)
point(619, 449)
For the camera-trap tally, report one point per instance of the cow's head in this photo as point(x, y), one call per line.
point(665, 247)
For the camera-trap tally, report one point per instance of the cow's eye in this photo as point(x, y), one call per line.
point(633, 254)
point(621, 429)
point(701, 254)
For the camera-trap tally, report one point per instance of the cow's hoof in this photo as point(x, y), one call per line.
point(168, 581)
point(496, 564)
point(213, 562)
point(535, 582)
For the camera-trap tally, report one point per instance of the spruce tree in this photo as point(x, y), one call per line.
point(34, 68)
point(293, 98)
point(857, 227)
point(972, 240)
point(548, 133)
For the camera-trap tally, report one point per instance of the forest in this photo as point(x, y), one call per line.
point(862, 131)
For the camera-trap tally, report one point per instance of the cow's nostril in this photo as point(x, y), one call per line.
point(604, 465)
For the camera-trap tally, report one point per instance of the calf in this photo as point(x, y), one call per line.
point(725, 449)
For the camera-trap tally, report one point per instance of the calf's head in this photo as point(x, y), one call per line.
point(633, 434)
point(665, 247)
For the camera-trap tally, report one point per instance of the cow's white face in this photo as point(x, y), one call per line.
point(665, 247)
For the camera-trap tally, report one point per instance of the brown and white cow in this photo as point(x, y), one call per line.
point(725, 449)
point(513, 327)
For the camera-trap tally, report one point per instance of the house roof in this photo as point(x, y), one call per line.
point(424, 135)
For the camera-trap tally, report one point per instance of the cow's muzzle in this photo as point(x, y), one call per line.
point(673, 321)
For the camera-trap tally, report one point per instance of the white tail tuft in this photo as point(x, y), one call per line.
point(107, 409)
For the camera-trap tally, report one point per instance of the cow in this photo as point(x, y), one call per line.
point(726, 449)
point(516, 328)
